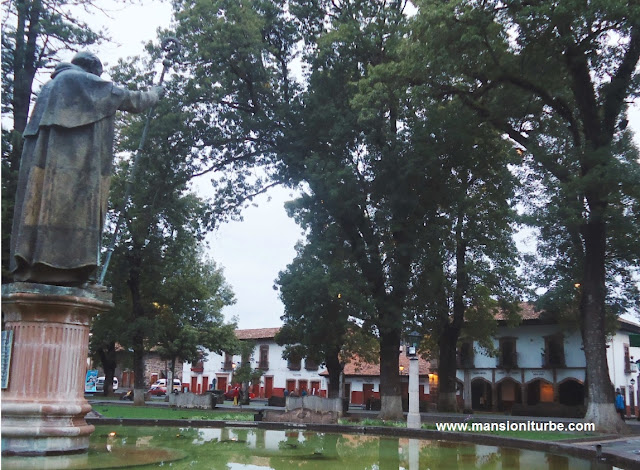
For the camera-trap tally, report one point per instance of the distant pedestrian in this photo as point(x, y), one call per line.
point(236, 395)
point(620, 406)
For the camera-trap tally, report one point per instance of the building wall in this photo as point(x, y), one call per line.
point(531, 369)
point(278, 373)
point(154, 368)
point(363, 388)
point(501, 387)
point(620, 376)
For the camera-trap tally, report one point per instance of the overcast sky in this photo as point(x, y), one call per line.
point(253, 251)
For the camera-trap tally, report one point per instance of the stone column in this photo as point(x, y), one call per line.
point(468, 404)
point(43, 407)
point(413, 418)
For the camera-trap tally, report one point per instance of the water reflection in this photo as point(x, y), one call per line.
point(248, 448)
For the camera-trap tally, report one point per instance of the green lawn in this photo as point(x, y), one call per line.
point(109, 410)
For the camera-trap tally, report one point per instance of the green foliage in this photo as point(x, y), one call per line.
point(383, 184)
point(235, 74)
point(166, 295)
point(555, 77)
point(551, 78)
point(189, 310)
point(244, 373)
point(322, 291)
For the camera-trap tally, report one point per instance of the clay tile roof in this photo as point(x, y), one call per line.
point(257, 333)
point(360, 368)
point(527, 312)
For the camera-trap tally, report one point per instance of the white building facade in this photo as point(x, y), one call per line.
point(216, 371)
point(540, 362)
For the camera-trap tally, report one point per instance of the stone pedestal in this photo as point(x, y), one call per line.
point(43, 407)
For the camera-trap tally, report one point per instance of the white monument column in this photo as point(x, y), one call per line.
point(413, 418)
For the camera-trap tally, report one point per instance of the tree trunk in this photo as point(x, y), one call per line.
point(450, 333)
point(24, 60)
point(173, 374)
point(600, 408)
point(139, 388)
point(447, 369)
point(109, 364)
point(390, 393)
point(334, 369)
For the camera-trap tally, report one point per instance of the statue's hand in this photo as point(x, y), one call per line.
point(158, 90)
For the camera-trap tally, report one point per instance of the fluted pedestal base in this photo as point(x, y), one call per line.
point(43, 407)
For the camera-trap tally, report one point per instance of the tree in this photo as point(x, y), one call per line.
point(189, 310)
point(236, 71)
point(356, 163)
point(34, 32)
point(555, 77)
point(468, 267)
point(345, 139)
point(322, 294)
point(106, 334)
point(244, 373)
point(162, 226)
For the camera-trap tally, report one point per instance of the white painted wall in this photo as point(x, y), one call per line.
point(530, 344)
point(213, 367)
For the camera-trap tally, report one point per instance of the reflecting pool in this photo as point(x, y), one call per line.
point(259, 449)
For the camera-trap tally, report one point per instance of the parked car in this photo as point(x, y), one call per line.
point(100, 384)
point(160, 387)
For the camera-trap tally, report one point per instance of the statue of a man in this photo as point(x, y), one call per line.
point(65, 170)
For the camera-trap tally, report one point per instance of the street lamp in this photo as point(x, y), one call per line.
point(413, 339)
point(632, 397)
point(413, 418)
point(638, 391)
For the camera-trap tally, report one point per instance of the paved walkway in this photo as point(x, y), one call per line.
point(626, 447)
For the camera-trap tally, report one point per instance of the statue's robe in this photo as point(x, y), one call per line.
point(63, 184)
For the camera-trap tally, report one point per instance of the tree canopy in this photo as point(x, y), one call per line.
point(556, 77)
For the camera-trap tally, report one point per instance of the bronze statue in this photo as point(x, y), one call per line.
point(65, 170)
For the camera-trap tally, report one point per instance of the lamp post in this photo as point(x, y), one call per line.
point(638, 391)
point(632, 398)
point(413, 418)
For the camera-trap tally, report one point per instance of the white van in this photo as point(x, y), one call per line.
point(160, 387)
point(100, 384)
